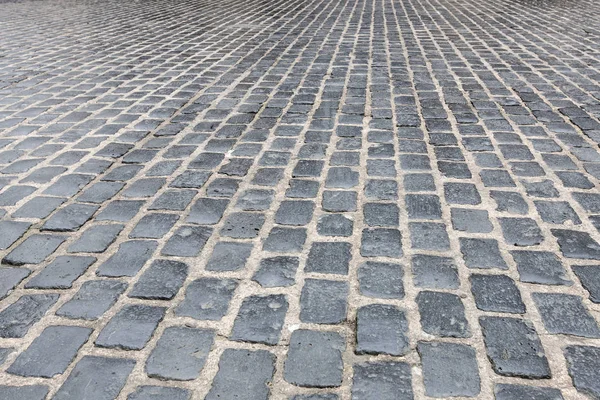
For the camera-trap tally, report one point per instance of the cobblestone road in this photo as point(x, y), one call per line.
point(307, 200)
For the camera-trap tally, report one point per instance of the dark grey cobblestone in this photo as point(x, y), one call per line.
point(278, 199)
point(180, 353)
point(243, 371)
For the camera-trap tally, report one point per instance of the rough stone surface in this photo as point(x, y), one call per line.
point(131, 327)
point(243, 371)
point(43, 357)
point(381, 329)
point(565, 314)
point(382, 381)
point(583, 363)
point(323, 301)
point(442, 314)
point(260, 319)
point(514, 347)
point(97, 378)
point(449, 369)
point(161, 281)
point(496, 293)
point(314, 359)
point(180, 353)
point(432, 159)
point(207, 298)
point(17, 318)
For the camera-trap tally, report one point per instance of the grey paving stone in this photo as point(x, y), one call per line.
point(576, 244)
point(429, 236)
point(590, 202)
point(583, 363)
point(11, 232)
point(565, 314)
point(207, 298)
point(276, 271)
point(173, 200)
point(496, 293)
point(272, 176)
point(285, 240)
point(382, 381)
point(329, 258)
point(120, 210)
point(324, 396)
point(70, 218)
point(242, 225)
point(129, 258)
point(461, 193)
point(20, 316)
point(207, 211)
point(10, 277)
point(69, 185)
point(96, 239)
point(342, 178)
point(187, 241)
point(540, 267)
point(180, 353)
point(511, 202)
point(294, 212)
point(39, 207)
point(323, 301)
point(381, 329)
point(4, 353)
point(131, 327)
point(42, 358)
point(92, 300)
point(442, 314)
point(589, 276)
point(229, 256)
point(96, 378)
point(439, 359)
point(143, 188)
point(314, 359)
point(557, 212)
point(28, 392)
point(339, 201)
point(33, 250)
point(381, 280)
point(302, 188)
point(503, 391)
point(335, 225)
point(423, 206)
point(379, 189)
point(255, 200)
point(514, 348)
point(161, 281)
point(418, 182)
point(100, 192)
point(147, 392)
point(153, 226)
point(222, 187)
point(521, 231)
point(260, 319)
point(13, 194)
point(190, 179)
point(381, 242)
point(481, 253)
point(434, 272)
point(243, 371)
point(61, 273)
point(470, 220)
point(381, 214)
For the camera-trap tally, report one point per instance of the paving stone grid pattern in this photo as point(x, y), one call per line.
point(304, 200)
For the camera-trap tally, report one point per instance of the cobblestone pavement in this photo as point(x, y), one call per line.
point(299, 199)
